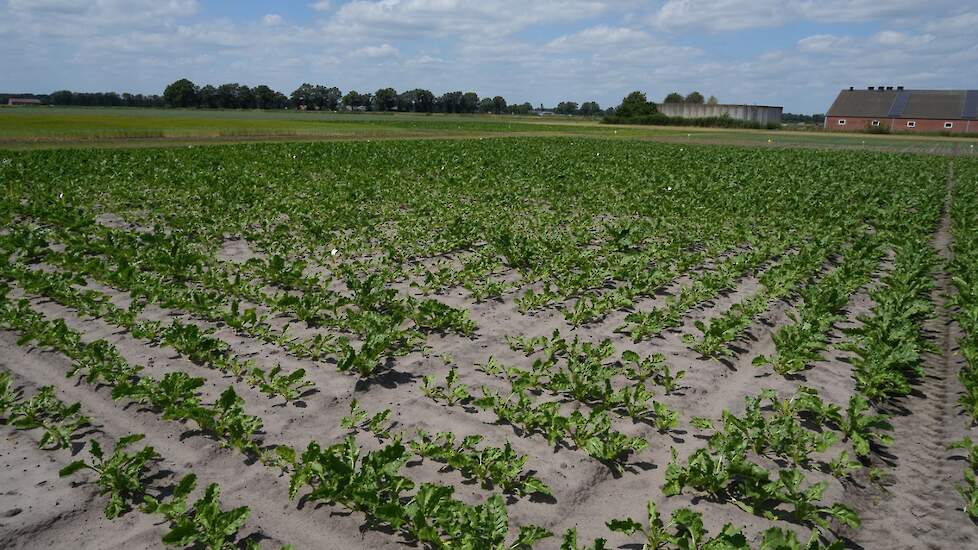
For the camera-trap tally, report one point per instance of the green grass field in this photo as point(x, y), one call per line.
point(128, 127)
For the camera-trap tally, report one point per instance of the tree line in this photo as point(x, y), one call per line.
point(693, 97)
point(184, 93)
point(103, 99)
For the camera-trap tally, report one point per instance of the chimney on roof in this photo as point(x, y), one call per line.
point(888, 88)
point(851, 88)
point(880, 88)
point(900, 88)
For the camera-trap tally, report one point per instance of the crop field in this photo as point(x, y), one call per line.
point(114, 126)
point(61, 127)
point(549, 342)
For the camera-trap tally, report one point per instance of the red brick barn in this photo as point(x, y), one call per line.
point(899, 110)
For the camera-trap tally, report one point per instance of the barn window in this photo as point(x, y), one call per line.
point(876, 123)
point(911, 124)
point(948, 125)
point(842, 122)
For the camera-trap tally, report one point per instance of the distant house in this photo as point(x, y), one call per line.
point(900, 110)
point(23, 101)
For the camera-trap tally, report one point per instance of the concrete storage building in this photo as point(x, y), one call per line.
point(899, 110)
point(23, 101)
point(762, 114)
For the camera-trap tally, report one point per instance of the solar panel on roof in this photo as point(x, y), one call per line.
point(899, 104)
point(971, 104)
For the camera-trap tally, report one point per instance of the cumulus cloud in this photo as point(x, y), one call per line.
point(272, 19)
point(437, 18)
point(734, 15)
point(824, 43)
point(102, 12)
point(383, 50)
point(322, 5)
point(598, 37)
point(894, 38)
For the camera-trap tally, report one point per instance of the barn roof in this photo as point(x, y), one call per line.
point(936, 104)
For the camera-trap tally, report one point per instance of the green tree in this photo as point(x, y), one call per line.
point(207, 97)
point(424, 101)
point(674, 97)
point(264, 97)
point(636, 104)
point(182, 93)
point(713, 100)
point(302, 96)
point(245, 97)
point(499, 104)
point(328, 98)
point(695, 98)
point(226, 96)
point(485, 105)
point(566, 108)
point(385, 99)
point(590, 108)
point(450, 102)
point(469, 102)
point(61, 97)
point(353, 99)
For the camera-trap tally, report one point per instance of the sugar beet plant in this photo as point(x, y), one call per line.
point(124, 476)
point(964, 272)
point(964, 301)
point(59, 423)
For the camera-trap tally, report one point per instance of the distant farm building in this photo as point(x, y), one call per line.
point(899, 110)
point(23, 101)
point(762, 114)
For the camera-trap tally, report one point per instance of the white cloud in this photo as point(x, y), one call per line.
point(733, 15)
point(383, 50)
point(272, 19)
point(598, 37)
point(957, 22)
point(824, 43)
point(894, 38)
point(438, 18)
point(322, 5)
point(102, 12)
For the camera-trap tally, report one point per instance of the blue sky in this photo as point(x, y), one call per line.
point(795, 53)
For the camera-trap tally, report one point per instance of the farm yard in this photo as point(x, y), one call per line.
point(550, 342)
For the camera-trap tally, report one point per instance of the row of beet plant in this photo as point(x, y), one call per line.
point(197, 345)
point(800, 343)
point(124, 476)
point(964, 304)
point(493, 467)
